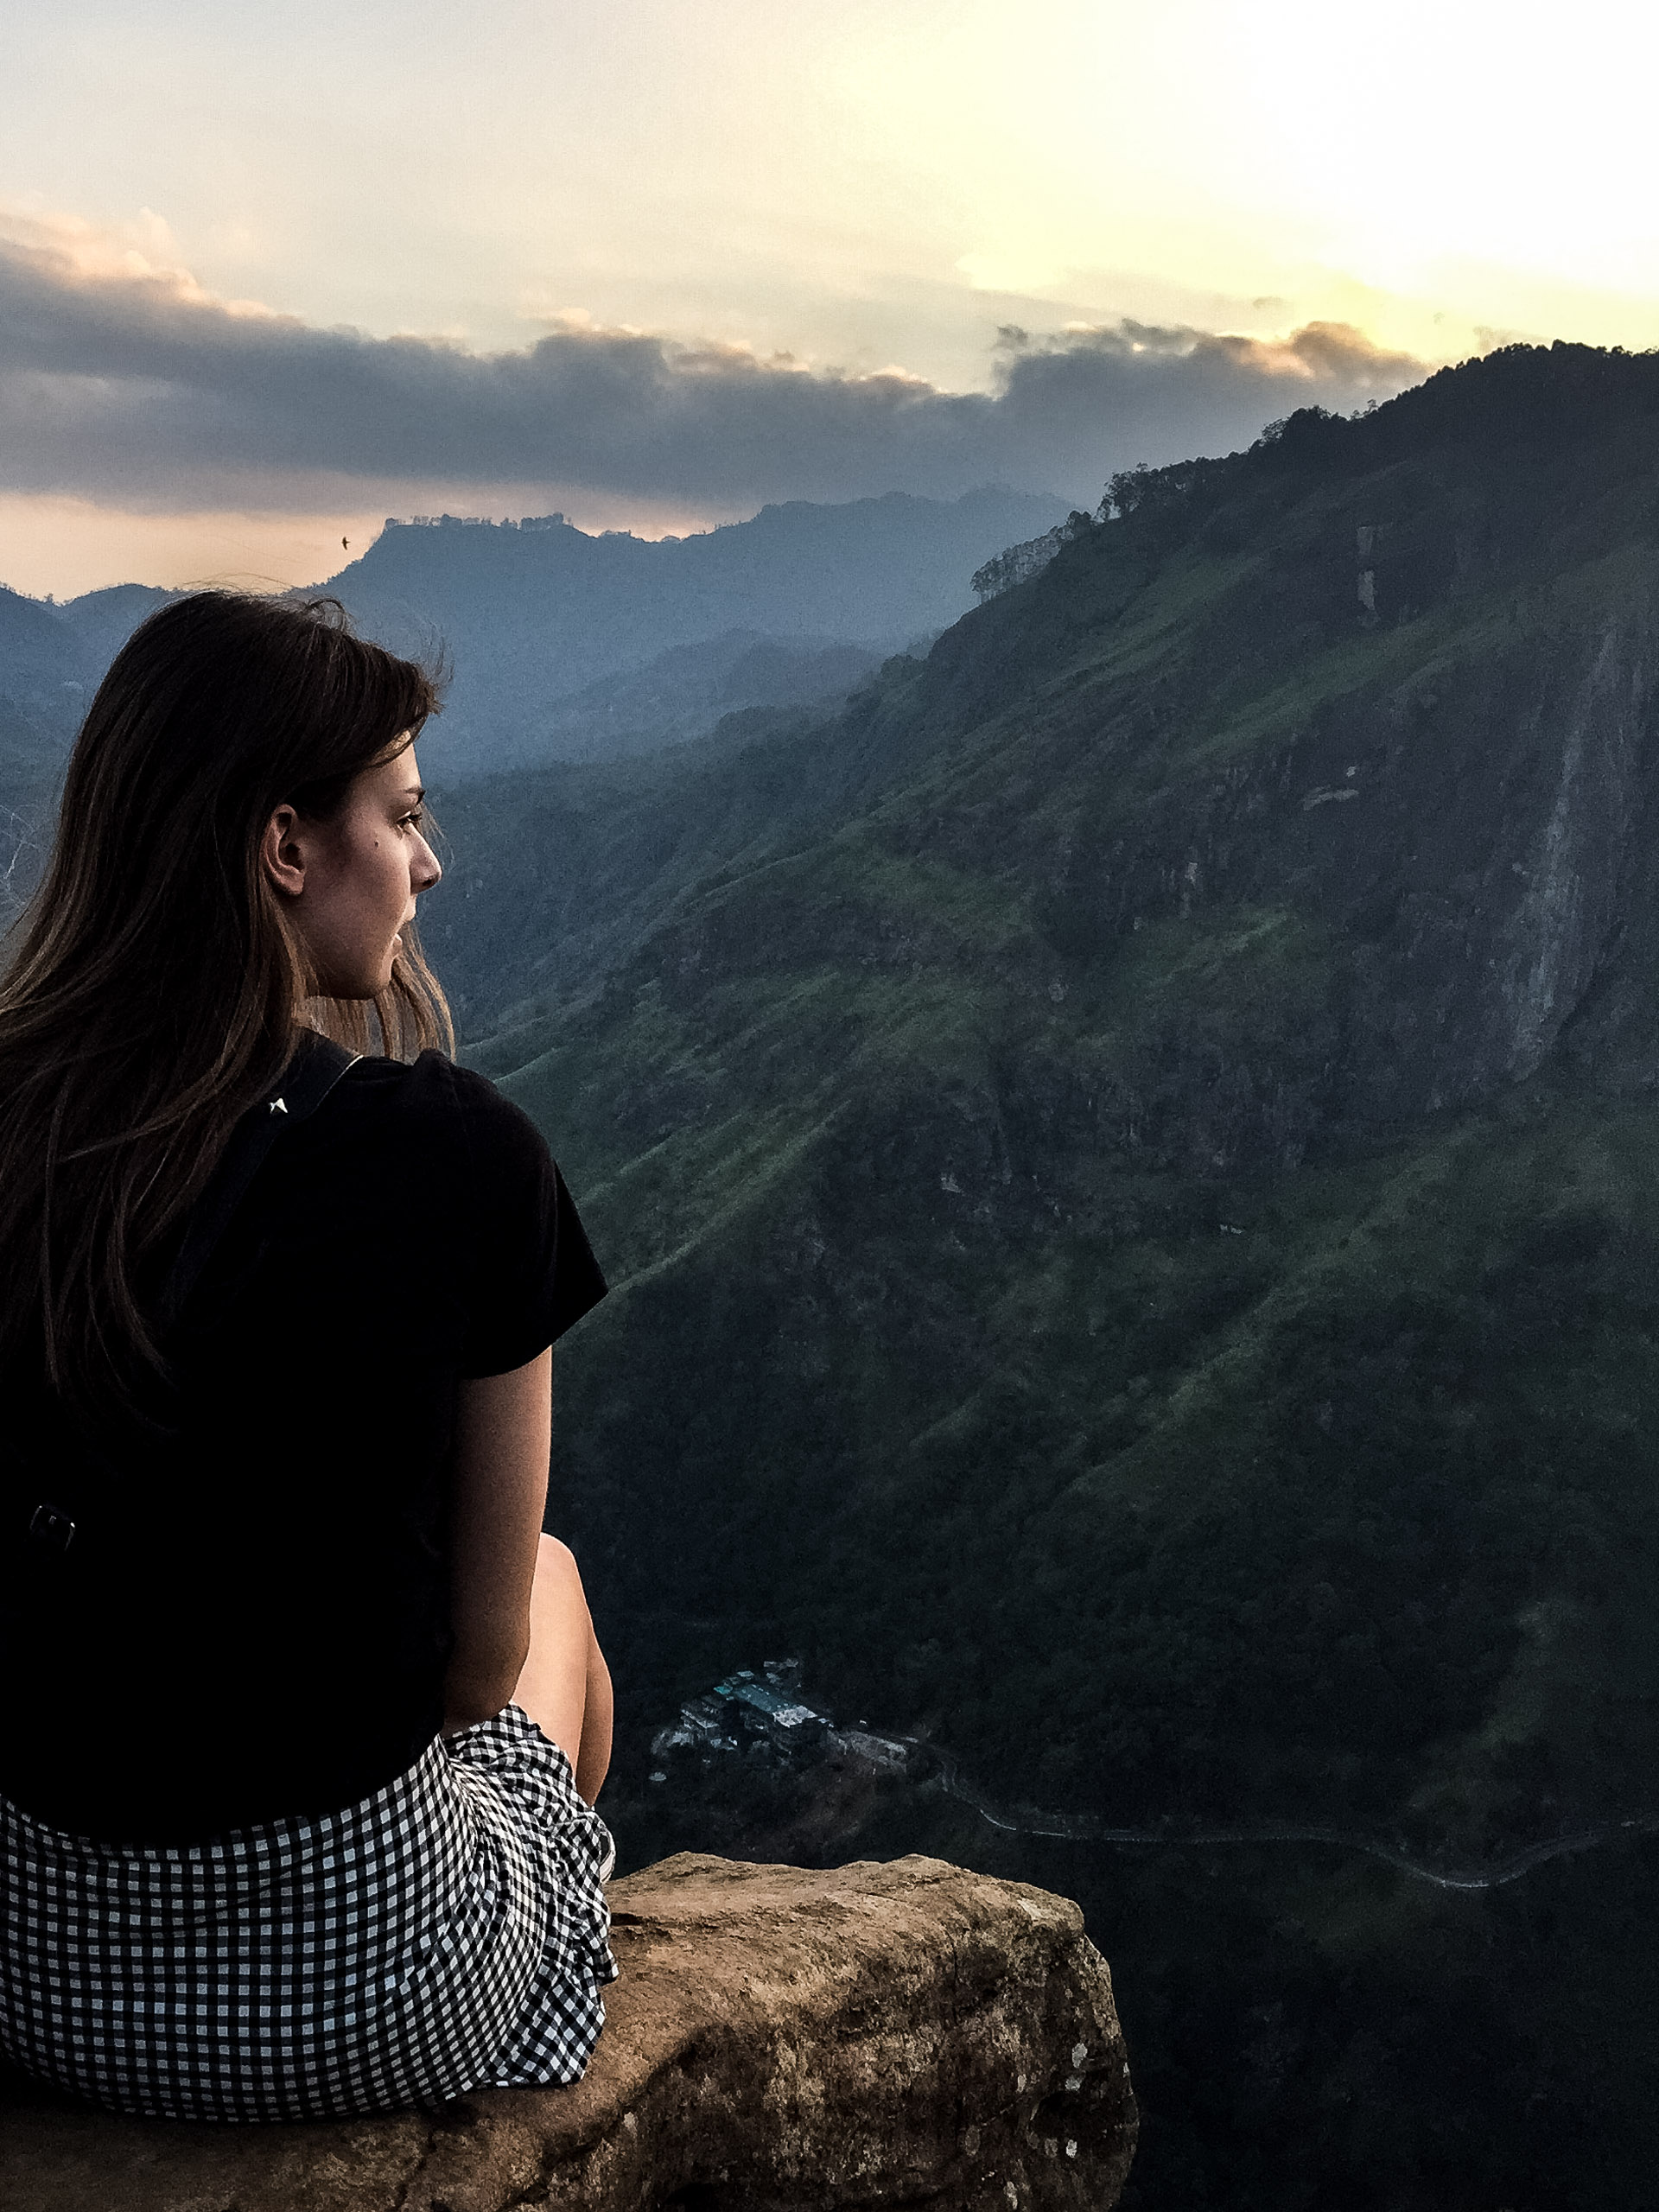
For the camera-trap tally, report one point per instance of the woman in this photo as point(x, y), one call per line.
point(301, 1718)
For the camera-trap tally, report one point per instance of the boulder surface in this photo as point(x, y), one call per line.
point(781, 2041)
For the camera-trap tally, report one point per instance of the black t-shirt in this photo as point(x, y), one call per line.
point(252, 1620)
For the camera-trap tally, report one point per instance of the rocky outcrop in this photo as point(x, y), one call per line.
point(902, 2034)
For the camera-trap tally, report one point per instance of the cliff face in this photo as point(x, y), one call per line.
point(1463, 846)
point(778, 2042)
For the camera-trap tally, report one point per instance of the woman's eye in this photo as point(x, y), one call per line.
point(416, 821)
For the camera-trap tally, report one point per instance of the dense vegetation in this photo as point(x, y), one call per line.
point(1127, 1158)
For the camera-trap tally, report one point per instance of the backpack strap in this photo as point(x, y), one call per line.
point(316, 1068)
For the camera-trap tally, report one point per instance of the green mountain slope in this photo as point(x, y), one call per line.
point(1133, 1224)
point(1031, 1197)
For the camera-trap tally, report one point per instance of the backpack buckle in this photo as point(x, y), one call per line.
point(52, 1527)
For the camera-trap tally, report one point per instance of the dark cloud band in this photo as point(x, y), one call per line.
point(138, 386)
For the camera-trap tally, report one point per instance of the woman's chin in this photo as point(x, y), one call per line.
point(362, 988)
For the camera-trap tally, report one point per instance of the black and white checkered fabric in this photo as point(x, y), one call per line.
point(448, 1934)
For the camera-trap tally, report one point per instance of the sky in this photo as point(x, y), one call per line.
point(268, 274)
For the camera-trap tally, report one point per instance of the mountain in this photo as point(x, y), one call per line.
point(686, 691)
point(1126, 1160)
point(561, 645)
point(533, 614)
point(51, 659)
point(45, 676)
point(555, 875)
point(103, 620)
point(1125, 1153)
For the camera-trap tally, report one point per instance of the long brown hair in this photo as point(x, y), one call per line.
point(154, 988)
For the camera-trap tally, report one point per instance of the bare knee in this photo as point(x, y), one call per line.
point(555, 1557)
point(556, 1572)
point(558, 1590)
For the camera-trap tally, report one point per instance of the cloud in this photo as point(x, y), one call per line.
point(120, 379)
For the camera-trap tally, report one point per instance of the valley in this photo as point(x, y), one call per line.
point(1126, 1144)
point(1130, 1196)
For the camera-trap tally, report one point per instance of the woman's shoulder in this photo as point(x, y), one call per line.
point(453, 1108)
point(427, 1165)
point(533, 1272)
point(489, 1117)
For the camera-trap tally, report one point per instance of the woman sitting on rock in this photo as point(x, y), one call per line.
point(302, 1717)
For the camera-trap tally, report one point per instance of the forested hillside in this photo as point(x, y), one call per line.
point(1127, 1158)
point(1126, 1153)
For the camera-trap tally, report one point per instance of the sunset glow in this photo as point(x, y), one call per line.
point(858, 187)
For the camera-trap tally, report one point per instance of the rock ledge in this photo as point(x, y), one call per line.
point(903, 2034)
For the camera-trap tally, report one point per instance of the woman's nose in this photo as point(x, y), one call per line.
point(427, 870)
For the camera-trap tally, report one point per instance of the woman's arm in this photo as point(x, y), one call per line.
point(504, 1435)
point(522, 1632)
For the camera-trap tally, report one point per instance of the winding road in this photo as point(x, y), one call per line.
point(1079, 1827)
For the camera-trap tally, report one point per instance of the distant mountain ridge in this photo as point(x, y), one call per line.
point(542, 626)
point(533, 615)
point(46, 672)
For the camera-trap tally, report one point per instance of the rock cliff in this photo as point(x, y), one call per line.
point(779, 2042)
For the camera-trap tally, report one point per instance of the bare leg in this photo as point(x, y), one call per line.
point(565, 1685)
point(594, 1758)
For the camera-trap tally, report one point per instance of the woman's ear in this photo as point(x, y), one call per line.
point(282, 852)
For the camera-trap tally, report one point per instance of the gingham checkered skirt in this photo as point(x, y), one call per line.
point(448, 1933)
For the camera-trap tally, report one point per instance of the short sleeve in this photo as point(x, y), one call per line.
point(534, 1272)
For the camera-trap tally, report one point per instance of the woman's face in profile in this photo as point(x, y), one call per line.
point(349, 883)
